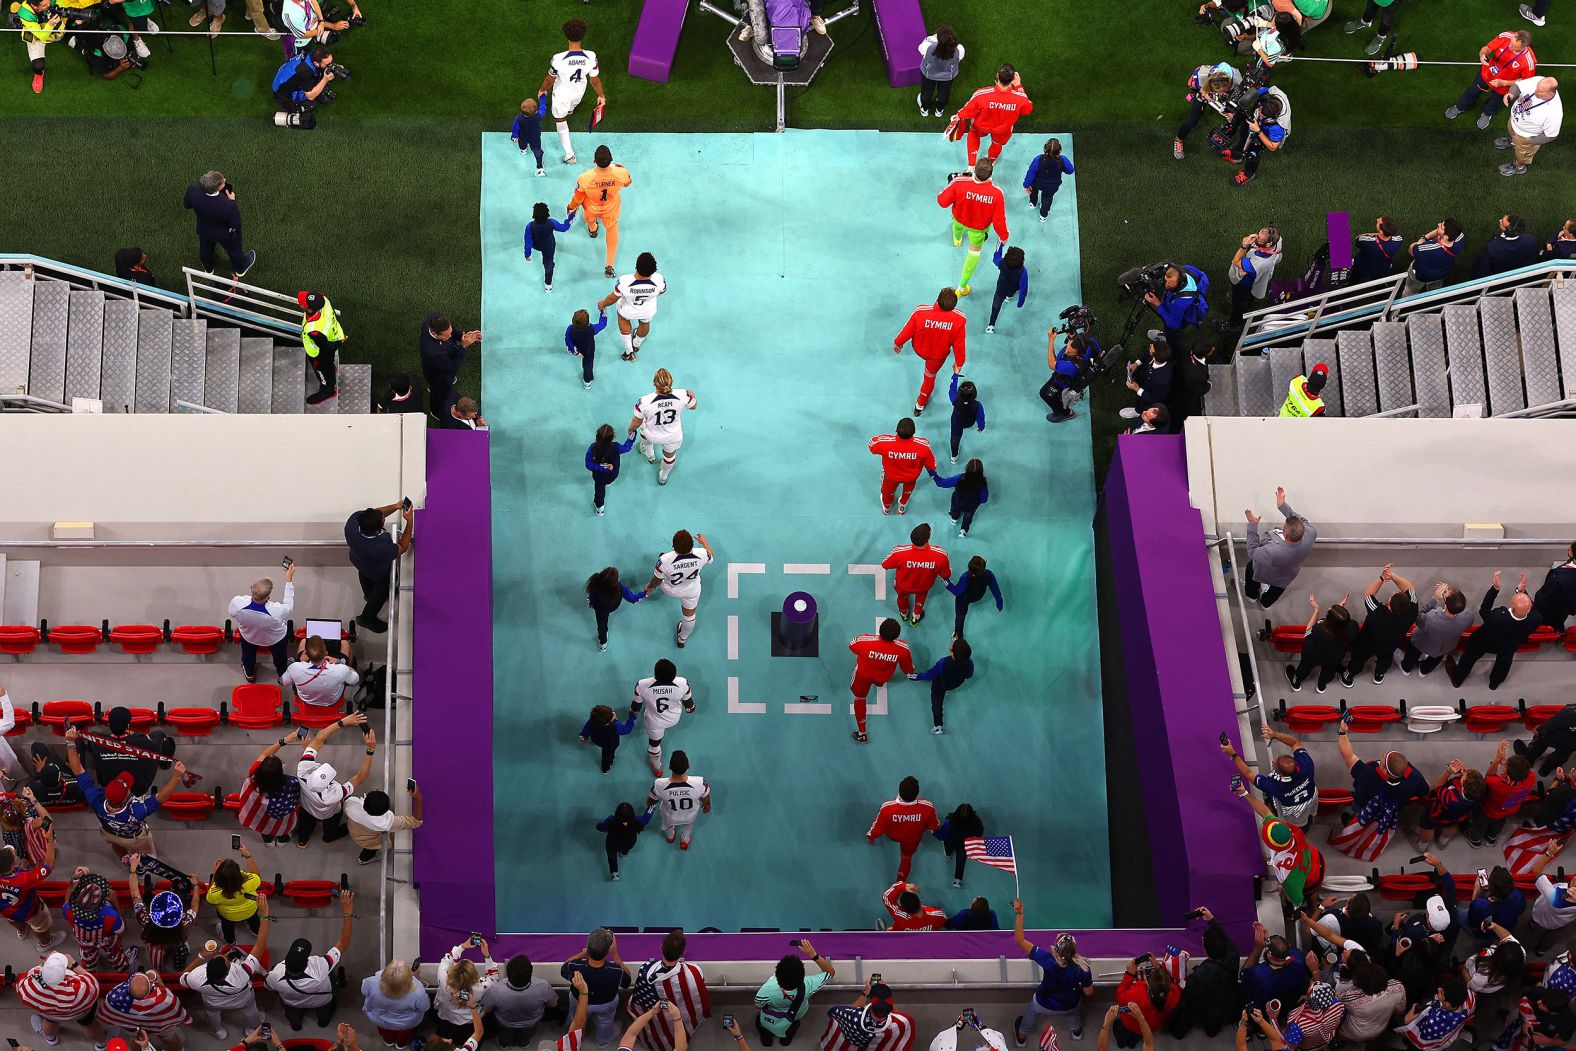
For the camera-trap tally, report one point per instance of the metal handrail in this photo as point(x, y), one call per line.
point(386, 864)
point(1242, 610)
point(81, 277)
point(213, 296)
point(1405, 410)
point(1548, 408)
point(191, 406)
point(30, 403)
point(1351, 303)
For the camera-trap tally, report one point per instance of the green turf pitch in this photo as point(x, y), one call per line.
point(791, 263)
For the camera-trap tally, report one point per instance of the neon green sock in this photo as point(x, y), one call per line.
point(970, 262)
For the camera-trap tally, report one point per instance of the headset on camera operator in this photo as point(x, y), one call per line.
point(302, 85)
point(1178, 294)
point(1267, 127)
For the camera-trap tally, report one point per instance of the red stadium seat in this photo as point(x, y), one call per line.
point(1538, 714)
point(137, 639)
point(1371, 718)
point(76, 638)
point(1404, 886)
point(122, 889)
point(1540, 637)
point(192, 722)
point(188, 806)
point(1461, 647)
point(1490, 718)
point(1466, 883)
point(1527, 881)
point(1287, 638)
point(311, 893)
point(1310, 718)
point(54, 715)
point(198, 638)
point(24, 719)
point(255, 706)
point(1335, 799)
point(1535, 971)
point(143, 718)
point(1570, 641)
point(232, 803)
point(316, 716)
point(53, 891)
point(17, 639)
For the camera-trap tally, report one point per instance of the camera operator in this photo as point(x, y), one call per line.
point(1267, 128)
point(306, 24)
point(1269, 30)
point(1209, 87)
point(1178, 297)
point(1068, 373)
point(41, 26)
point(1251, 270)
point(301, 85)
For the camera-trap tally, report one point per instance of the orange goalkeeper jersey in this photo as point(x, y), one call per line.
point(598, 189)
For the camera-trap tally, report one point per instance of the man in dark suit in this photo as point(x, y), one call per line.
point(218, 223)
point(1190, 385)
point(1150, 380)
point(443, 351)
point(1555, 601)
point(1513, 248)
point(1503, 629)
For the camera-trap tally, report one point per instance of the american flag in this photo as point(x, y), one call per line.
point(570, 1041)
point(681, 985)
point(67, 1001)
point(995, 851)
point(596, 115)
point(1317, 1018)
point(1174, 963)
point(1523, 847)
point(1438, 1026)
point(270, 815)
point(846, 1031)
point(1048, 1040)
point(156, 1012)
point(1362, 840)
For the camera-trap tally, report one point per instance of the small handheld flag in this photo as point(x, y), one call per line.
point(1048, 1040)
point(596, 115)
point(995, 851)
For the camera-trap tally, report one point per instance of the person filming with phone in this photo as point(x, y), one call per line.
point(323, 795)
point(264, 624)
point(304, 981)
point(461, 986)
point(784, 999)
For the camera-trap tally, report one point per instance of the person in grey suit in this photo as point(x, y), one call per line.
point(1275, 557)
point(1438, 630)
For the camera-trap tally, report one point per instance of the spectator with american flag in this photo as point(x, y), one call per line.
point(869, 1023)
point(665, 1010)
point(908, 912)
point(96, 923)
point(270, 798)
point(673, 979)
point(123, 818)
point(1312, 1024)
point(1150, 996)
point(784, 999)
point(144, 1002)
point(1435, 1025)
point(61, 990)
point(1066, 981)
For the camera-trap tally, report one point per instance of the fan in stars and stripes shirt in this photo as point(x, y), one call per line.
point(1437, 1025)
point(855, 1029)
point(995, 851)
point(269, 814)
point(57, 991)
point(680, 984)
point(1312, 1023)
point(140, 1002)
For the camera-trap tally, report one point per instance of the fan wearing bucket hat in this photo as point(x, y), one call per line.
point(96, 924)
point(868, 1023)
point(164, 918)
point(1380, 787)
point(1066, 980)
point(222, 976)
point(1296, 863)
point(59, 992)
point(123, 818)
point(323, 795)
point(304, 980)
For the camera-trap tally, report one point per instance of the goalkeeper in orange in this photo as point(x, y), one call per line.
point(598, 190)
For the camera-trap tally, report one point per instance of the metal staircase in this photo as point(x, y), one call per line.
point(224, 347)
point(1500, 346)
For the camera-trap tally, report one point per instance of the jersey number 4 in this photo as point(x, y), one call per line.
point(577, 76)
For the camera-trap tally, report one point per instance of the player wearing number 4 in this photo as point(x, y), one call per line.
point(658, 418)
point(598, 190)
point(678, 572)
point(682, 798)
point(636, 295)
point(662, 698)
point(567, 74)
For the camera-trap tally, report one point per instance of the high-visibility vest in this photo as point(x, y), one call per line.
point(326, 324)
point(1299, 403)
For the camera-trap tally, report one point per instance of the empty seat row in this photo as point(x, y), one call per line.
point(1372, 718)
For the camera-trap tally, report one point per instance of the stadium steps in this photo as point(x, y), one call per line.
point(59, 342)
point(1501, 354)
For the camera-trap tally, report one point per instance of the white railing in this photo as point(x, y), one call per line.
point(29, 403)
point(233, 300)
point(1363, 304)
point(80, 277)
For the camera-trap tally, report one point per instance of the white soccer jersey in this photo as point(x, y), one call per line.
point(661, 705)
point(637, 296)
point(680, 574)
point(661, 416)
point(679, 800)
point(570, 71)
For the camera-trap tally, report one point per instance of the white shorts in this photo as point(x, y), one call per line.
point(678, 818)
point(563, 103)
point(640, 316)
point(690, 598)
point(671, 448)
point(654, 732)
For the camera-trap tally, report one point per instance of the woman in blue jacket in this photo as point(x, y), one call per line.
point(1044, 176)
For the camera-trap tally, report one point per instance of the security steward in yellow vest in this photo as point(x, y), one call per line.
point(1303, 400)
point(321, 338)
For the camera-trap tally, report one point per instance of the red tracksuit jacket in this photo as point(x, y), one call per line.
point(902, 459)
point(994, 110)
point(906, 823)
point(917, 567)
point(928, 918)
point(977, 205)
point(876, 660)
point(935, 333)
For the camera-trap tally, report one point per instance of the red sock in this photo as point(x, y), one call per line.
point(903, 865)
point(859, 712)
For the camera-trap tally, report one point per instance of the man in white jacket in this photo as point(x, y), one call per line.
point(1535, 116)
point(263, 625)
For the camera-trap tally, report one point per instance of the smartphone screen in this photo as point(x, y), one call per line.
point(410, 784)
point(366, 729)
point(47, 824)
point(405, 503)
point(235, 841)
point(795, 942)
point(727, 1021)
point(300, 733)
point(287, 562)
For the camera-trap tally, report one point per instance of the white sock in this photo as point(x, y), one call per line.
point(667, 469)
point(563, 138)
point(686, 626)
point(645, 449)
point(654, 752)
point(629, 343)
point(637, 341)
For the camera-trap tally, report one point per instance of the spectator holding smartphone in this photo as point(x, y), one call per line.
point(373, 552)
point(605, 976)
point(461, 985)
point(233, 893)
point(1109, 1025)
point(783, 1000)
point(264, 624)
point(395, 1003)
point(323, 795)
point(1149, 996)
point(373, 821)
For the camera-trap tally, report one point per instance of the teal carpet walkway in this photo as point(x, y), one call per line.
point(791, 262)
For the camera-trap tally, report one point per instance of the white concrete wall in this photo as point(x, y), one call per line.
point(1387, 478)
point(187, 476)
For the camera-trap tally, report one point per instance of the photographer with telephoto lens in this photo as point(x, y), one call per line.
point(1209, 87)
point(302, 85)
point(1175, 293)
